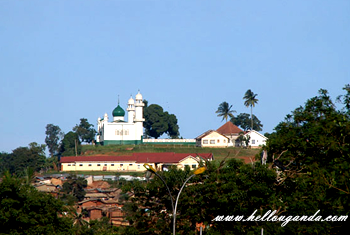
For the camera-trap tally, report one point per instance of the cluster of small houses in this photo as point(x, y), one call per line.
point(100, 199)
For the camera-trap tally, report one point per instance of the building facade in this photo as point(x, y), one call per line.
point(212, 139)
point(256, 139)
point(119, 131)
point(159, 161)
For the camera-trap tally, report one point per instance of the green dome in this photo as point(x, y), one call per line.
point(118, 112)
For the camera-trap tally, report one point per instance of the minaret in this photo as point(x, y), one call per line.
point(139, 108)
point(139, 115)
point(131, 110)
point(105, 118)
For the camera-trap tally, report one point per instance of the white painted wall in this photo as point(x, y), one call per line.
point(256, 139)
point(119, 131)
point(214, 139)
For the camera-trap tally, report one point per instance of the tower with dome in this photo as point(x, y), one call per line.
point(119, 131)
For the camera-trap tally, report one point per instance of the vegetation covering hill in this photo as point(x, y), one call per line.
point(219, 153)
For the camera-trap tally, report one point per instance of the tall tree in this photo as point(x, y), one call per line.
point(23, 157)
point(53, 136)
point(345, 99)
point(5, 162)
point(243, 121)
point(313, 142)
point(173, 128)
point(225, 111)
point(157, 122)
point(250, 100)
point(70, 145)
point(85, 131)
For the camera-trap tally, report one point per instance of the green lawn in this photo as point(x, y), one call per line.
point(219, 153)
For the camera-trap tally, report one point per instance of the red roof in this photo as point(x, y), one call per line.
point(167, 157)
point(229, 128)
point(97, 158)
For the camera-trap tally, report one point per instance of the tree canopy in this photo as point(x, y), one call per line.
point(85, 131)
point(313, 143)
point(250, 100)
point(70, 145)
point(225, 111)
point(74, 186)
point(24, 210)
point(53, 136)
point(157, 122)
point(243, 121)
point(23, 157)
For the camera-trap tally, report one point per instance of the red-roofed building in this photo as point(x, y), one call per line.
point(229, 129)
point(212, 139)
point(225, 136)
point(232, 132)
point(134, 162)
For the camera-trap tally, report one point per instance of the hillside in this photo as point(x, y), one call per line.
point(219, 153)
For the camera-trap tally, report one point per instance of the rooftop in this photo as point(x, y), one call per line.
point(229, 128)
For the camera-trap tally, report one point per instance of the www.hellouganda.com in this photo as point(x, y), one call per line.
point(271, 217)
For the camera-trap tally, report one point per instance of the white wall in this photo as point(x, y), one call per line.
point(256, 139)
point(112, 131)
point(214, 139)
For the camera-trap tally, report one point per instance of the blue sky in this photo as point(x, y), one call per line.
point(65, 60)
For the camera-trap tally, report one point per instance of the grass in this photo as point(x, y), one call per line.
point(219, 153)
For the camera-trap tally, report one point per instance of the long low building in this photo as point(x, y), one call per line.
point(160, 161)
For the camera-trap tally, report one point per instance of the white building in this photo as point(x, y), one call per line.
point(256, 139)
point(211, 139)
point(135, 162)
point(224, 136)
point(119, 131)
point(228, 135)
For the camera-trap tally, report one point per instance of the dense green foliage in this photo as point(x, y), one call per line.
point(85, 131)
point(314, 144)
point(23, 157)
point(70, 145)
point(53, 136)
point(232, 188)
point(73, 189)
point(243, 120)
point(157, 122)
point(225, 111)
point(24, 210)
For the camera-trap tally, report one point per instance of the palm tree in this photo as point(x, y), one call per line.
point(225, 111)
point(250, 100)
